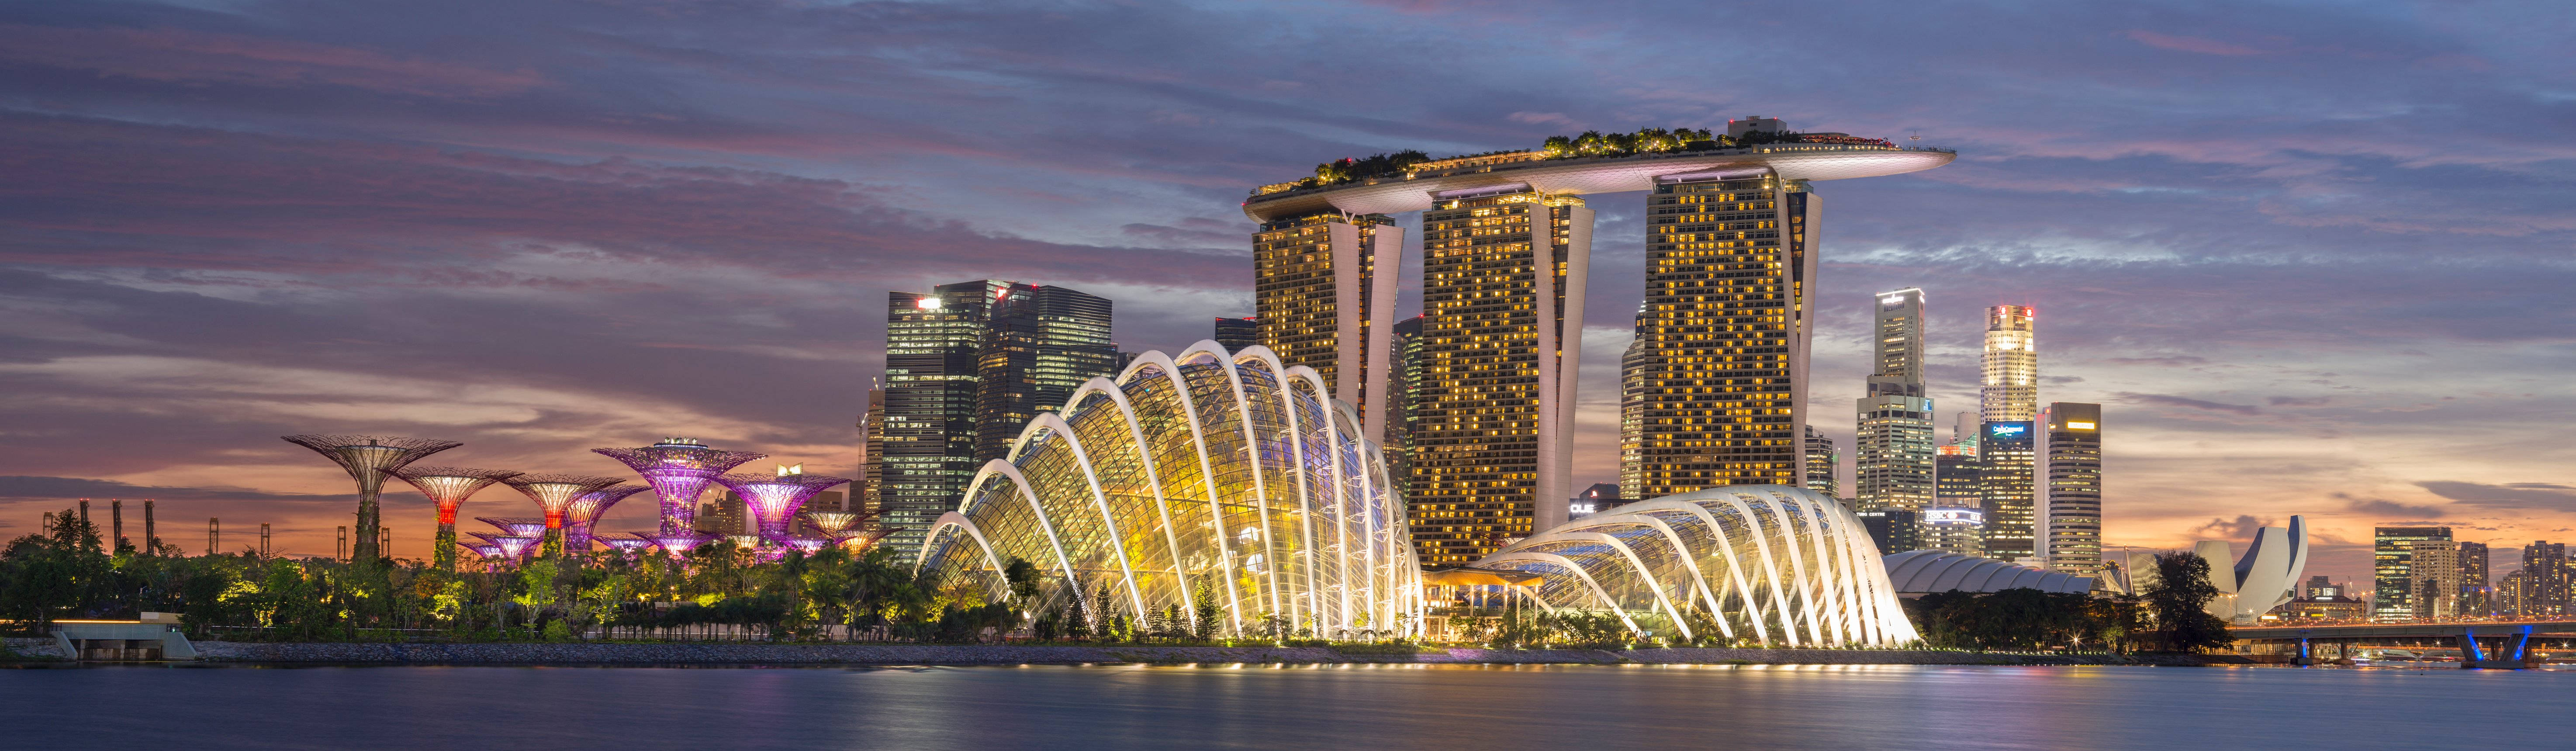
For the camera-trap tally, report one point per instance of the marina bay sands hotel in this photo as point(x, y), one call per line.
point(1714, 388)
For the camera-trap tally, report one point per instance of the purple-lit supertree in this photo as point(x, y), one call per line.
point(844, 527)
point(449, 487)
point(625, 545)
point(516, 527)
point(368, 459)
point(679, 469)
point(677, 544)
point(554, 493)
point(774, 499)
point(585, 511)
point(487, 553)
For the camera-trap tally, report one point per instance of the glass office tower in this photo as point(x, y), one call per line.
point(2007, 451)
point(929, 414)
point(2072, 497)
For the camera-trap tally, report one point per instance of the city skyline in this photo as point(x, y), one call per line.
point(674, 252)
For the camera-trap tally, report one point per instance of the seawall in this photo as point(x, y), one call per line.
point(998, 654)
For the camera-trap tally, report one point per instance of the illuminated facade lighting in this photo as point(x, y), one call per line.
point(368, 460)
point(2009, 390)
point(448, 487)
point(679, 470)
point(1502, 315)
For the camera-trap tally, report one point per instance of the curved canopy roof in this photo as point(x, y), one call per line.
point(1928, 571)
point(1583, 175)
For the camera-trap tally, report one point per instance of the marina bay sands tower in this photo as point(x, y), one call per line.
point(1722, 336)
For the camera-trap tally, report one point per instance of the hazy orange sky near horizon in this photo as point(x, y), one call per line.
point(2311, 260)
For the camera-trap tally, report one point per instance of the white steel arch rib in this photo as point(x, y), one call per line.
point(1216, 355)
point(1762, 550)
point(1797, 569)
point(1300, 376)
point(954, 519)
point(1734, 566)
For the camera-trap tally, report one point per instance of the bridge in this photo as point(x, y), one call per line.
point(2482, 644)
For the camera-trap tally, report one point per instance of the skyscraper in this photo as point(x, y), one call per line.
point(1502, 299)
point(2477, 593)
point(1954, 529)
point(932, 342)
point(1039, 345)
point(2435, 573)
point(1321, 282)
point(1892, 451)
point(1729, 266)
point(1956, 521)
point(2393, 569)
point(2007, 451)
point(2009, 391)
point(2545, 579)
point(1237, 333)
point(1632, 412)
point(866, 495)
point(1822, 458)
point(1404, 387)
point(2072, 494)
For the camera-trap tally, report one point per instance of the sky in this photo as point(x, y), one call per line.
point(2312, 258)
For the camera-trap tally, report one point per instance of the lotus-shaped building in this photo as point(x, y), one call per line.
point(1201, 474)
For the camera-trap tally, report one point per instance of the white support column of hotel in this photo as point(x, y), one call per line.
point(1560, 375)
point(1386, 264)
point(1349, 352)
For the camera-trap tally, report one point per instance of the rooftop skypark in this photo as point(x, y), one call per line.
point(1591, 143)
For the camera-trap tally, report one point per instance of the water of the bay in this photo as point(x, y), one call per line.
point(1581, 708)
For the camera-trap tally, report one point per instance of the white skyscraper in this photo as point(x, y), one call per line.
point(2010, 389)
point(1893, 450)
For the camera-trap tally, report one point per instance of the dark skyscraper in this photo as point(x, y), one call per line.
point(1039, 345)
point(1822, 459)
point(931, 344)
point(2544, 586)
point(1404, 380)
point(1237, 333)
point(2007, 449)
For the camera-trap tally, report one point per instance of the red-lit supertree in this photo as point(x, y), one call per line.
point(368, 459)
point(449, 487)
point(554, 493)
point(679, 470)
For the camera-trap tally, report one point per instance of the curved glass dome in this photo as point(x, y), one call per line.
point(1198, 473)
point(1768, 563)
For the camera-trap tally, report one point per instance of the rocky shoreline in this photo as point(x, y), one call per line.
point(686, 654)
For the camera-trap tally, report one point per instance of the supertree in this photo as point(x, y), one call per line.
point(677, 544)
point(487, 553)
point(843, 527)
point(554, 493)
point(449, 487)
point(516, 526)
point(774, 499)
point(585, 511)
point(368, 458)
point(679, 469)
point(625, 545)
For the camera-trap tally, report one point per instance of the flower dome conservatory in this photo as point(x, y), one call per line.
point(1199, 474)
point(1778, 565)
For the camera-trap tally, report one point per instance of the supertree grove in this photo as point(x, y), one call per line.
point(555, 493)
point(449, 487)
point(368, 459)
point(679, 470)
